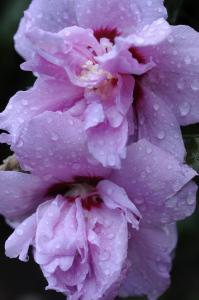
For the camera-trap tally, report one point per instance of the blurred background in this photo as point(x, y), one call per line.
point(23, 281)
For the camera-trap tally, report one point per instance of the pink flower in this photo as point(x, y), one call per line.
point(97, 225)
point(96, 62)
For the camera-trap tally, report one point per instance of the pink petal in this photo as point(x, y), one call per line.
point(93, 115)
point(20, 194)
point(59, 150)
point(46, 94)
point(107, 144)
point(50, 16)
point(153, 185)
point(157, 124)
point(150, 252)
point(109, 257)
point(116, 197)
point(175, 79)
point(21, 239)
point(125, 16)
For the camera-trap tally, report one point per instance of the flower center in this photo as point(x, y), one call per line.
point(93, 72)
point(82, 187)
point(108, 33)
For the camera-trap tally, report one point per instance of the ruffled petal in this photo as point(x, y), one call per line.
point(79, 252)
point(151, 178)
point(46, 95)
point(150, 253)
point(109, 256)
point(107, 144)
point(116, 197)
point(50, 16)
point(175, 78)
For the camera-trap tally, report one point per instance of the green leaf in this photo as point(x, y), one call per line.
point(192, 147)
point(174, 9)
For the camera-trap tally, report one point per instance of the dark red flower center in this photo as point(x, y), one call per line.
point(82, 187)
point(108, 33)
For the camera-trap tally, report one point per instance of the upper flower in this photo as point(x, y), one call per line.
point(93, 68)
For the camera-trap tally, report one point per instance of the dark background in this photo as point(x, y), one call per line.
point(23, 281)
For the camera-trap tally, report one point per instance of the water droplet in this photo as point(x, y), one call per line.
point(111, 159)
point(109, 191)
point(138, 200)
point(54, 138)
point(171, 203)
point(104, 255)
point(187, 60)
point(19, 231)
point(184, 109)
point(180, 85)
point(162, 268)
point(161, 135)
point(107, 272)
point(25, 102)
point(190, 200)
point(148, 170)
point(156, 107)
point(195, 85)
point(148, 150)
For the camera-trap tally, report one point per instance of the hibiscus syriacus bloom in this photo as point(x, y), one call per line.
point(96, 60)
point(89, 226)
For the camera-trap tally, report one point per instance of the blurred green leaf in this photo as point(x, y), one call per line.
point(192, 147)
point(174, 9)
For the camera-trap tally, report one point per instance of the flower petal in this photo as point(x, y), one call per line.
point(150, 251)
point(175, 78)
point(50, 16)
point(21, 239)
point(151, 178)
point(108, 144)
point(58, 150)
point(108, 259)
point(157, 123)
point(116, 197)
point(20, 194)
point(46, 94)
point(125, 15)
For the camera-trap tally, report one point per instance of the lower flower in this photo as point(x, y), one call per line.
point(97, 237)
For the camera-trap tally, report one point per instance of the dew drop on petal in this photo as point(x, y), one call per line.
point(195, 85)
point(161, 135)
point(184, 109)
point(156, 107)
point(19, 231)
point(104, 255)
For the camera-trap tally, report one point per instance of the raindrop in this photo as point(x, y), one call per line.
point(191, 200)
point(156, 107)
point(19, 232)
point(195, 85)
point(105, 255)
point(187, 60)
point(54, 138)
point(148, 150)
point(180, 85)
point(184, 109)
point(161, 135)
